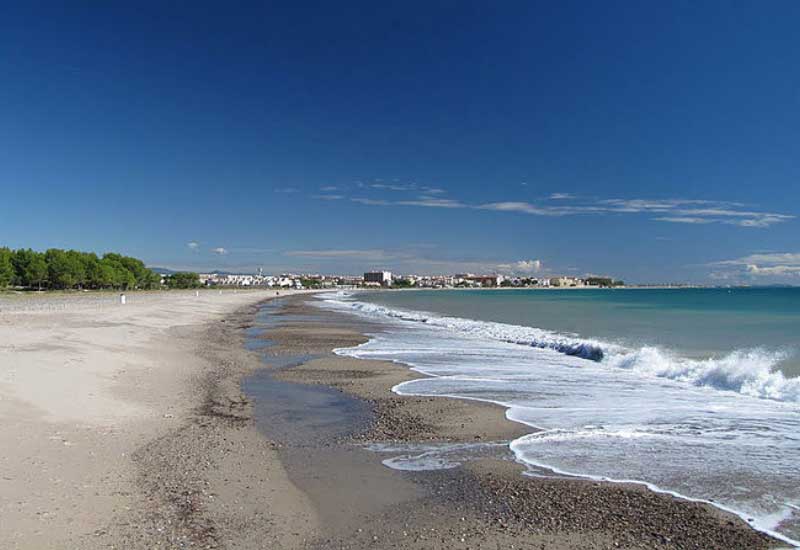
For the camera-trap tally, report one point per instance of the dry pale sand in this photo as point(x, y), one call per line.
point(94, 398)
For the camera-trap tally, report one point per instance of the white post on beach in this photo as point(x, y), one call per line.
point(196, 293)
point(122, 299)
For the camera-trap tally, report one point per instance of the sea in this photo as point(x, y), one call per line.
point(694, 392)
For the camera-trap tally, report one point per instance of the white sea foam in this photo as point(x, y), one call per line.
point(724, 430)
point(422, 457)
point(751, 372)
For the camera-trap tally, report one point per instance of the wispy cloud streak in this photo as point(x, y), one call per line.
point(685, 211)
point(769, 264)
point(328, 197)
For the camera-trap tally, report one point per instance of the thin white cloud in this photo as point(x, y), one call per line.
point(367, 254)
point(768, 264)
point(327, 188)
point(683, 219)
point(394, 186)
point(537, 210)
point(686, 211)
point(765, 258)
point(525, 267)
point(529, 266)
point(652, 205)
point(764, 220)
point(429, 202)
point(721, 212)
point(193, 245)
point(219, 251)
point(561, 196)
point(328, 197)
point(371, 202)
point(287, 190)
point(776, 270)
point(433, 203)
point(694, 211)
point(743, 218)
point(515, 206)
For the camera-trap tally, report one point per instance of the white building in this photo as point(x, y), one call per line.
point(383, 278)
point(566, 282)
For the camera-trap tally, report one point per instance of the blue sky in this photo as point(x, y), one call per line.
point(653, 142)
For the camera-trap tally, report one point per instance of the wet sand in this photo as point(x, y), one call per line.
point(485, 502)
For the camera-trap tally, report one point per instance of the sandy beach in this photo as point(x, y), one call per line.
point(118, 430)
point(127, 427)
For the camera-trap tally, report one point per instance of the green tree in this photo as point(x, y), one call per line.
point(128, 280)
point(37, 271)
point(77, 267)
point(7, 274)
point(93, 270)
point(183, 279)
point(145, 278)
point(30, 268)
point(603, 282)
point(151, 280)
point(108, 276)
point(122, 278)
point(64, 269)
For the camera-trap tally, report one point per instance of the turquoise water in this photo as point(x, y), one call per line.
point(692, 391)
point(696, 323)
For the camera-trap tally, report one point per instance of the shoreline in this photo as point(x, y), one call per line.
point(126, 427)
point(775, 525)
point(584, 287)
point(496, 486)
point(215, 482)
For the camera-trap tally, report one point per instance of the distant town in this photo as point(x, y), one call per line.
point(23, 270)
point(386, 279)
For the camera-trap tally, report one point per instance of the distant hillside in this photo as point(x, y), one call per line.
point(162, 270)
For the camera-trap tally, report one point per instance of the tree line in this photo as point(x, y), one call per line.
point(183, 279)
point(58, 269)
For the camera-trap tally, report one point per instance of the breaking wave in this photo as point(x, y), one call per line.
point(750, 372)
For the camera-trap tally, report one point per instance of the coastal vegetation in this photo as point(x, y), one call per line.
point(310, 283)
point(183, 279)
point(604, 282)
point(57, 269)
point(523, 281)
